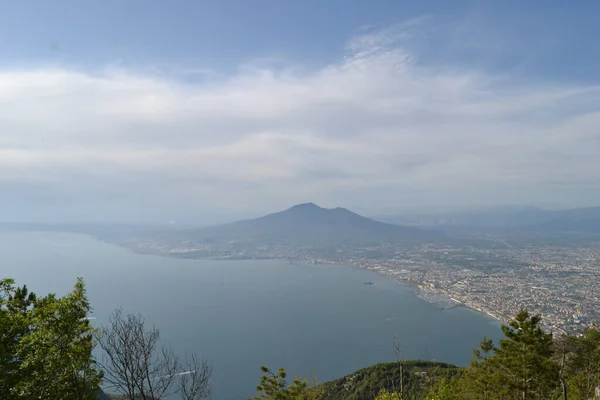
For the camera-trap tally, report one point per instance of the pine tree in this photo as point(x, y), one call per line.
point(523, 362)
point(273, 386)
point(481, 375)
point(15, 303)
point(46, 345)
point(583, 366)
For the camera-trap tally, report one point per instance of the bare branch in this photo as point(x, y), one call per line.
point(194, 382)
point(138, 367)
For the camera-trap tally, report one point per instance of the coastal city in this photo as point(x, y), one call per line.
point(562, 283)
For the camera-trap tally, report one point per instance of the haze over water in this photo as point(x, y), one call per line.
point(309, 319)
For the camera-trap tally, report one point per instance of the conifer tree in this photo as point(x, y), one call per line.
point(46, 345)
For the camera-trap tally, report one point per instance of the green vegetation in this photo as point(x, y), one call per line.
point(46, 345)
point(418, 377)
point(273, 386)
point(380, 381)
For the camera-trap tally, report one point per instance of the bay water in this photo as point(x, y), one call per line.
point(313, 320)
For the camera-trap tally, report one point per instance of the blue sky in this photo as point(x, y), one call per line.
point(551, 38)
point(208, 110)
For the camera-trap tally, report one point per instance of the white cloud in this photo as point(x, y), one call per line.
point(377, 129)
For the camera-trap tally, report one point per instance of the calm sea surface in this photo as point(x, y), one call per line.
point(310, 319)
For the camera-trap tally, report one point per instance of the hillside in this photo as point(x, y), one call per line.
point(308, 223)
point(366, 383)
point(519, 226)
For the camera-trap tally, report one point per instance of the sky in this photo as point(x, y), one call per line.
point(208, 111)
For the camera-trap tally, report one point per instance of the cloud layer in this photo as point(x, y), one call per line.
point(377, 131)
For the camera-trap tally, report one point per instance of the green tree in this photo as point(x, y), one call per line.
point(273, 386)
point(385, 395)
point(477, 382)
point(47, 343)
point(583, 365)
point(449, 389)
point(523, 362)
point(14, 303)
point(481, 377)
point(523, 366)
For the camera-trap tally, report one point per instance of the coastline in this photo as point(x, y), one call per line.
point(439, 296)
point(435, 297)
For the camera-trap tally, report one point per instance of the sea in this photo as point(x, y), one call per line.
point(316, 321)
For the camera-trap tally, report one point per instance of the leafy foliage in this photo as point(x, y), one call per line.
point(583, 364)
point(379, 380)
point(273, 386)
point(367, 383)
point(46, 345)
point(385, 395)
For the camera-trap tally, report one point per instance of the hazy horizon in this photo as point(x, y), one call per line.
point(208, 113)
point(225, 219)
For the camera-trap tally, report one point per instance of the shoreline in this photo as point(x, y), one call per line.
point(439, 294)
point(432, 296)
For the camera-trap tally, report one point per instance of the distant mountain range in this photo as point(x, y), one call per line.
point(307, 224)
point(524, 219)
point(310, 225)
point(584, 220)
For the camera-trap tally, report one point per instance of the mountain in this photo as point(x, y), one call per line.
point(307, 224)
point(366, 383)
point(517, 226)
point(523, 218)
point(497, 217)
point(582, 220)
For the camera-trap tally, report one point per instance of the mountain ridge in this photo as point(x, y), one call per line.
point(309, 223)
point(522, 217)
